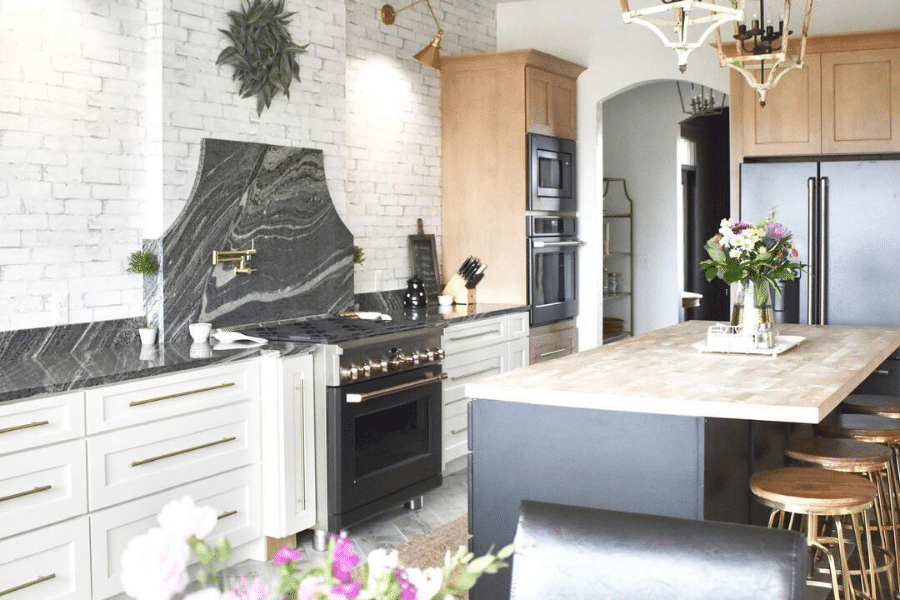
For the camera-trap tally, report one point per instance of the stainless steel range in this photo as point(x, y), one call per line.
point(379, 409)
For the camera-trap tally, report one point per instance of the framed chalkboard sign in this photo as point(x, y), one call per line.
point(424, 263)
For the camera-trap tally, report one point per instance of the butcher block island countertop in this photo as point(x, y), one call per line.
point(660, 372)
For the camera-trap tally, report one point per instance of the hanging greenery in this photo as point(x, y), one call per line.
point(262, 52)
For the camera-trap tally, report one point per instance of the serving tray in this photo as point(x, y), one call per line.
point(783, 343)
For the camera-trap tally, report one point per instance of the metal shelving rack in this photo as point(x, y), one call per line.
point(618, 217)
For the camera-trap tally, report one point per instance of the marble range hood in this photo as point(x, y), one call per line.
point(274, 198)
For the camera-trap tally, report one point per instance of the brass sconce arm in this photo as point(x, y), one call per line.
point(241, 257)
point(430, 55)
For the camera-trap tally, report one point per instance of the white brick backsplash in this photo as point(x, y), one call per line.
point(74, 139)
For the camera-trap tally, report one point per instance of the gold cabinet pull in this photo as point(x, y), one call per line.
point(28, 584)
point(37, 490)
point(226, 514)
point(457, 338)
point(145, 461)
point(25, 426)
point(181, 394)
point(455, 431)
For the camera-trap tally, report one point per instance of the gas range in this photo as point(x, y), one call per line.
point(357, 349)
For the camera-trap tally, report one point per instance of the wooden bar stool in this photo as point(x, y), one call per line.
point(875, 462)
point(864, 428)
point(825, 498)
point(871, 404)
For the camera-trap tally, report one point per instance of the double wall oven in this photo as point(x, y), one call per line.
point(552, 229)
point(380, 410)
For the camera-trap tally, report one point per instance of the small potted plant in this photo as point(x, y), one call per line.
point(144, 262)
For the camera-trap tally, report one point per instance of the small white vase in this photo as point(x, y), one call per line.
point(148, 335)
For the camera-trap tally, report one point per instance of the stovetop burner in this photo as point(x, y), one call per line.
point(330, 329)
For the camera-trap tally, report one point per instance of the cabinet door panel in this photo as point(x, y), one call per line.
point(861, 101)
point(42, 421)
point(790, 121)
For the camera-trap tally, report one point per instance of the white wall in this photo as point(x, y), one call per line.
point(104, 104)
point(640, 137)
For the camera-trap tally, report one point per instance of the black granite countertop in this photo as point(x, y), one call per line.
point(53, 373)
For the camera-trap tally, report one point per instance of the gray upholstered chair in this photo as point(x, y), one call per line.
point(591, 554)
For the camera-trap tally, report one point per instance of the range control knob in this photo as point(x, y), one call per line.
point(378, 366)
point(350, 372)
point(438, 353)
point(365, 370)
point(397, 362)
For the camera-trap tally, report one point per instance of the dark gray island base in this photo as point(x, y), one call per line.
point(681, 466)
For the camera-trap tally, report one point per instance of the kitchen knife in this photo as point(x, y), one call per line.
point(465, 266)
point(477, 276)
point(473, 268)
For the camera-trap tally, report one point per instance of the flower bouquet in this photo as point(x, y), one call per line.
point(154, 567)
point(757, 257)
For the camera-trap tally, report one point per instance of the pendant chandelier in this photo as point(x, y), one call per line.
point(701, 102)
point(683, 15)
point(762, 53)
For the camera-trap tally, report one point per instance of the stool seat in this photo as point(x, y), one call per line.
point(809, 490)
point(872, 404)
point(840, 454)
point(865, 428)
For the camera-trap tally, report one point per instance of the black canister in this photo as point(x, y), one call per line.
point(415, 293)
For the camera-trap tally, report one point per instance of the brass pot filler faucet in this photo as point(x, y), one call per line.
point(242, 257)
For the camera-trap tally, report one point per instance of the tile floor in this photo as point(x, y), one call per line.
point(391, 529)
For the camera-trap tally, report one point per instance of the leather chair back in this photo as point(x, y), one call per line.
point(593, 554)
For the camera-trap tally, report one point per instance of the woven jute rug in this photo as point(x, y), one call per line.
point(429, 549)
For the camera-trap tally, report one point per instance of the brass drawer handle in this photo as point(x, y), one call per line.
point(463, 399)
point(455, 431)
point(882, 372)
point(37, 490)
point(457, 338)
point(546, 354)
point(226, 514)
point(138, 463)
point(475, 373)
point(40, 579)
point(181, 394)
point(357, 398)
point(25, 426)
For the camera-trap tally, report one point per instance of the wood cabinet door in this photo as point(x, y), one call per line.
point(861, 101)
point(790, 122)
point(550, 103)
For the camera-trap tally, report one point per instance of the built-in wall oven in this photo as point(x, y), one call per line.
point(552, 268)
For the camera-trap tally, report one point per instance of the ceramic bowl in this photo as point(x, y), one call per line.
point(200, 331)
point(445, 300)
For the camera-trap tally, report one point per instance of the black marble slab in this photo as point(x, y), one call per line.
point(56, 373)
point(274, 199)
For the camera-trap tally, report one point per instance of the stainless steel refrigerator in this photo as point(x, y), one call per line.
point(845, 216)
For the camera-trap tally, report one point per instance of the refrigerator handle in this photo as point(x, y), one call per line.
point(812, 250)
point(823, 258)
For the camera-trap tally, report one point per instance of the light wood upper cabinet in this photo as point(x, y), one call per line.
point(846, 100)
point(790, 122)
point(489, 102)
point(861, 101)
point(550, 103)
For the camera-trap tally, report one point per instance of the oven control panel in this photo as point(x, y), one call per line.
point(390, 361)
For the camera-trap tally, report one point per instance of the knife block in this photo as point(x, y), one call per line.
point(456, 287)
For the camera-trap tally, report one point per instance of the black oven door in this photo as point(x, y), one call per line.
point(384, 443)
point(551, 173)
point(552, 279)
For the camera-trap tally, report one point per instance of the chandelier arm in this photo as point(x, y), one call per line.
point(400, 10)
point(433, 16)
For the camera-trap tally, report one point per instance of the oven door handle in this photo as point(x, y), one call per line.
point(542, 244)
point(357, 398)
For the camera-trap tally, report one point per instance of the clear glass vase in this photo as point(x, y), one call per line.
point(751, 309)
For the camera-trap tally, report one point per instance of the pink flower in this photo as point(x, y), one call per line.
point(407, 589)
point(740, 226)
point(345, 558)
point(286, 555)
point(348, 590)
point(777, 232)
point(154, 566)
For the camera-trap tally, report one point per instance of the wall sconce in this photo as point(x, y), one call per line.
point(761, 51)
point(685, 14)
point(430, 55)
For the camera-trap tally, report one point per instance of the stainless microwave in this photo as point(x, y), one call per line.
point(551, 173)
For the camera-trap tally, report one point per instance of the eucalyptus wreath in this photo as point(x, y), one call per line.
point(262, 52)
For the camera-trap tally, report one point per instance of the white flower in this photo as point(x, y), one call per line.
point(381, 562)
point(183, 519)
point(154, 566)
point(428, 582)
point(210, 594)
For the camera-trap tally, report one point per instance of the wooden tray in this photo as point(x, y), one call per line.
point(783, 343)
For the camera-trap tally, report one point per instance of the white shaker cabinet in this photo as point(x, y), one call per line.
point(473, 350)
point(288, 450)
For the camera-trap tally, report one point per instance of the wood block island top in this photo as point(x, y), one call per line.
point(660, 372)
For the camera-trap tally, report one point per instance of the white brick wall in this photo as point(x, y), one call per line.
point(104, 104)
